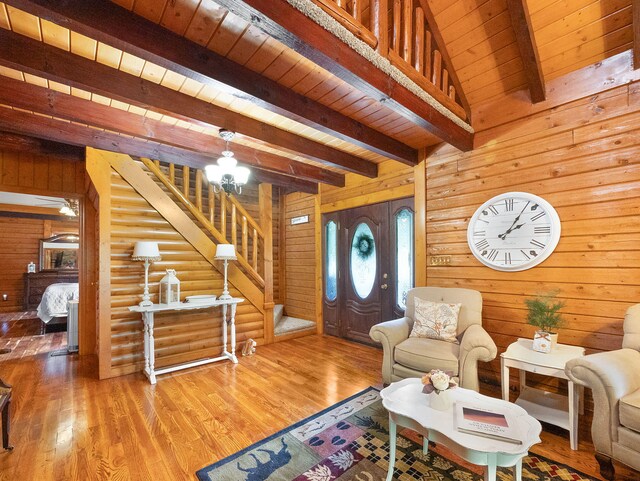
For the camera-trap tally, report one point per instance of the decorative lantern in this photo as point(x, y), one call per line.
point(170, 288)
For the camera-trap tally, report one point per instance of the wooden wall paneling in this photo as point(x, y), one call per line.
point(100, 174)
point(588, 171)
point(300, 252)
point(282, 251)
point(394, 181)
point(41, 174)
point(19, 245)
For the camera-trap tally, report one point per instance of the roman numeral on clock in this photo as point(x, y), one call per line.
point(479, 233)
point(493, 210)
point(483, 244)
point(537, 244)
point(525, 254)
point(538, 216)
point(542, 229)
point(508, 204)
point(507, 258)
point(493, 253)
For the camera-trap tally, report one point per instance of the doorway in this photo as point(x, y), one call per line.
point(368, 267)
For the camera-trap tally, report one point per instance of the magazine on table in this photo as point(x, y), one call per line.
point(486, 422)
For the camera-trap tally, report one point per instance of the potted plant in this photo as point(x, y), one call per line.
point(544, 313)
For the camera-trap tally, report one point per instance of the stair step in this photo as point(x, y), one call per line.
point(292, 324)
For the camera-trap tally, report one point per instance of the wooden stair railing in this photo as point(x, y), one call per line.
point(410, 47)
point(228, 232)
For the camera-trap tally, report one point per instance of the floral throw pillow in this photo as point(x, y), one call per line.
point(435, 320)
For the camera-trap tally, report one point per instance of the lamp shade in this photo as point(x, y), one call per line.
point(225, 251)
point(146, 250)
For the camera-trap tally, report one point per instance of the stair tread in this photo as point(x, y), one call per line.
point(292, 324)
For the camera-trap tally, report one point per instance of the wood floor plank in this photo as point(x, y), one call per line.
point(68, 425)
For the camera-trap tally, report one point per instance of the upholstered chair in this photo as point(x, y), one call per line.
point(406, 356)
point(614, 380)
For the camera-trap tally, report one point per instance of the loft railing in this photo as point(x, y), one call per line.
point(399, 31)
point(220, 215)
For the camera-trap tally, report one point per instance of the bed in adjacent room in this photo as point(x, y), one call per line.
point(53, 308)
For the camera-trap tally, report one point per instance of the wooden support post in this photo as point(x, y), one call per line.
point(172, 173)
point(185, 181)
point(199, 190)
point(100, 173)
point(317, 221)
point(265, 195)
point(282, 248)
point(420, 221)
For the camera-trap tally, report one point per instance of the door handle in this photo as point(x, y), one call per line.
point(384, 286)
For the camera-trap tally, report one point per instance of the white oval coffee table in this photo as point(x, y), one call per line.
point(409, 407)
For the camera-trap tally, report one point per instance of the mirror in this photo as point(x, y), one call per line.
point(59, 252)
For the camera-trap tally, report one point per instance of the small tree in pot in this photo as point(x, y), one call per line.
point(544, 313)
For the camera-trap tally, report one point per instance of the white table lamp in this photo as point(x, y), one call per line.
point(225, 252)
point(148, 252)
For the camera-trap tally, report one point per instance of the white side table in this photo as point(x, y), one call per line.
point(149, 341)
point(549, 407)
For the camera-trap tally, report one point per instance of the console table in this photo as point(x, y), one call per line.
point(149, 344)
point(549, 407)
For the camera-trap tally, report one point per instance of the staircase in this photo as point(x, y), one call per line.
point(288, 325)
point(221, 216)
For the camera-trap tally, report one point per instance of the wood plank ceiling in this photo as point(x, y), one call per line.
point(569, 35)
point(161, 76)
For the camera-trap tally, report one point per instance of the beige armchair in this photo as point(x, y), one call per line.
point(614, 379)
point(406, 356)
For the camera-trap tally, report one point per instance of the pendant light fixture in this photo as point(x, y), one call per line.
point(226, 174)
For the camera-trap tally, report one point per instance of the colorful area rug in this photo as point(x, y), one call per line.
point(349, 442)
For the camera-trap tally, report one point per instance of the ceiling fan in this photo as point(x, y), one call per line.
point(70, 207)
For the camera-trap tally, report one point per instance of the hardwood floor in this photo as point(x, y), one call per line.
point(67, 425)
point(20, 332)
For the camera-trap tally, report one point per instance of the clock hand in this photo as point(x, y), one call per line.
point(511, 229)
point(501, 236)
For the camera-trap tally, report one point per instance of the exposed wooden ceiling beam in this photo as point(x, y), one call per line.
point(31, 56)
point(442, 47)
point(22, 143)
point(60, 131)
point(285, 23)
point(636, 34)
point(45, 101)
point(107, 22)
point(295, 185)
point(526, 41)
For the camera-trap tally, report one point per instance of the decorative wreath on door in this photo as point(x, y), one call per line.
point(363, 243)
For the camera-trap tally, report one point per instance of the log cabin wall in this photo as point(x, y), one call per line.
point(179, 338)
point(300, 254)
point(394, 181)
point(582, 157)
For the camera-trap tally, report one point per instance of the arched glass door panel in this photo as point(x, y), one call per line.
point(363, 260)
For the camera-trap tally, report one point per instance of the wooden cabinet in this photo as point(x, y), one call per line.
point(35, 284)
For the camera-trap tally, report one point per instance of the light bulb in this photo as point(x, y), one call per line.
point(241, 175)
point(213, 173)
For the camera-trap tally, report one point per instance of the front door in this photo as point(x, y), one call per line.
point(368, 267)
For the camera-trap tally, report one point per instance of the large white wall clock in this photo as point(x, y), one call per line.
point(513, 231)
